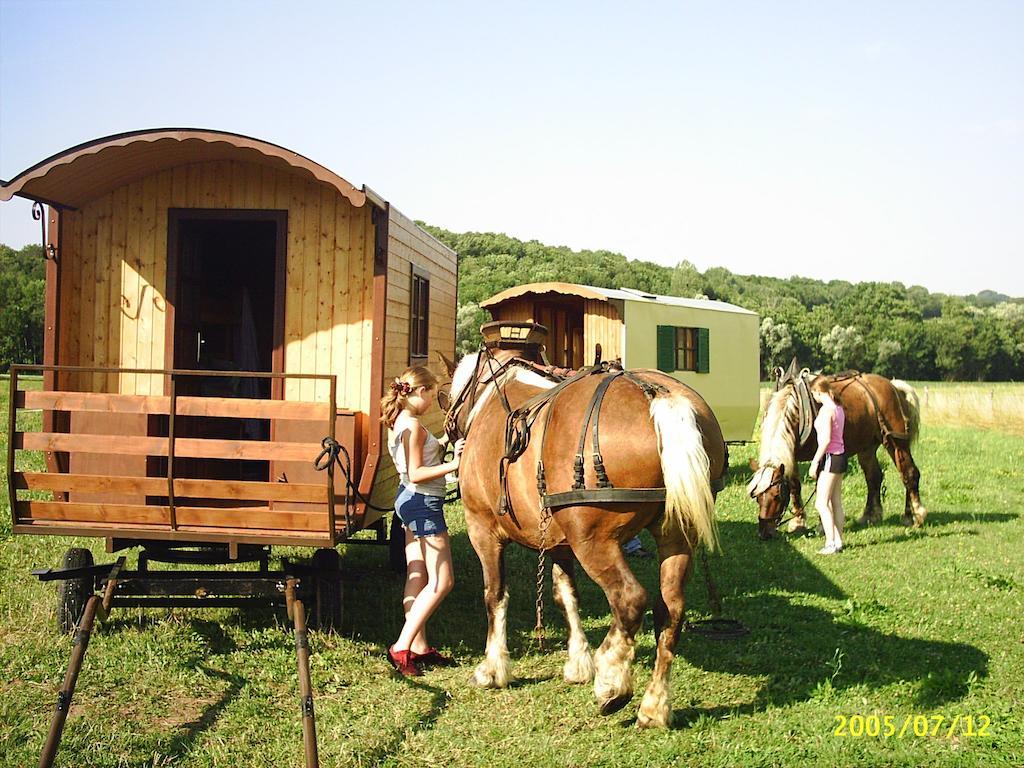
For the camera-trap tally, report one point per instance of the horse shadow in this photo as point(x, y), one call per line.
point(803, 651)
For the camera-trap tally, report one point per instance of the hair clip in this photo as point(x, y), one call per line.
point(401, 387)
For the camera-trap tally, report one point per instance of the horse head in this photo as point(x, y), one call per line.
point(770, 488)
point(470, 377)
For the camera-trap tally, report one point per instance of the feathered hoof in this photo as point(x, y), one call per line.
point(579, 670)
point(486, 676)
point(652, 720)
point(613, 705)
point(907, 520)
point(797, 524)
point(865, 520)
point(919, 517)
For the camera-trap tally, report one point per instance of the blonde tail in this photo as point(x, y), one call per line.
point(911, 407)
point(689, 503)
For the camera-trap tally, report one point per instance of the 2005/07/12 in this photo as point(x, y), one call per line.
point(919, 726)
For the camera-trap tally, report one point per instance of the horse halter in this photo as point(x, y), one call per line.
point(470, 393)
point(783, 497)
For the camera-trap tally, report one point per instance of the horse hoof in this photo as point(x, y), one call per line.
point(796, 525)
point(613, 705)
point(486, 679)
point(907, 520)
point(579, 671)
point(647, 721)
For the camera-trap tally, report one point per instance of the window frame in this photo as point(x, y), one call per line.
point(686, 348)
point(419, 315)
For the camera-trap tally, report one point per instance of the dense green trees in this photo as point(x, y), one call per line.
point(22, 288)
point(883, 327)
point(877, 326)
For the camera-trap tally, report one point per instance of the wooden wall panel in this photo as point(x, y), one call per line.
point(114, 312)
point(71, 289)
point(407, 245)
point(601, 325)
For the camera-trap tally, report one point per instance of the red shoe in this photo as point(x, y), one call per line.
point(433, 658)
point(403, 662)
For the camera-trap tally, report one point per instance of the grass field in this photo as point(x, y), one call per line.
point(904, 623)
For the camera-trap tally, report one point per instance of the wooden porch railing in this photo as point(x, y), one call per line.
point(136, 502)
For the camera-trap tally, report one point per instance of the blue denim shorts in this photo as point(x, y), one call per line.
point(421, 514)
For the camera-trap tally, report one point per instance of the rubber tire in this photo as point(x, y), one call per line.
point(328, 602)
point(73, 594)
point(396, 546)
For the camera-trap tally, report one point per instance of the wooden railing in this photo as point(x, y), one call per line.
point(103, 430)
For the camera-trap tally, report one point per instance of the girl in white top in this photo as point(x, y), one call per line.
point(420, 506)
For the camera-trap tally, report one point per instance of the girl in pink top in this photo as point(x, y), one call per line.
point(830, 458)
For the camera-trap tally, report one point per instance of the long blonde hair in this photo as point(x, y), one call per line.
point(395, 398)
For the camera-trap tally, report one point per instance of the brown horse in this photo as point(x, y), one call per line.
point(666, 437)
point(878, 412)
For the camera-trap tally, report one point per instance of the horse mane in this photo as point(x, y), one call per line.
point(778, 437)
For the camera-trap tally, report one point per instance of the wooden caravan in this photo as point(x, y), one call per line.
point(710, 345)
point(215, 306)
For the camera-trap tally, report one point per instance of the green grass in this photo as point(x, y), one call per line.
point(902, 623)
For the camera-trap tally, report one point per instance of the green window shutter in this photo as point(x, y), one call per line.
point(666, 348)
point(703, 350)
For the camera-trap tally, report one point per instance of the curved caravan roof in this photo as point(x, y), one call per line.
point(609, 294)
point(71, 178)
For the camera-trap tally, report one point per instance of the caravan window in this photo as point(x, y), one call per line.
point(419, 315)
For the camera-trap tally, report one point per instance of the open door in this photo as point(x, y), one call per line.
point(225, 290)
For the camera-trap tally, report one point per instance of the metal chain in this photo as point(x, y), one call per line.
point(545, 521)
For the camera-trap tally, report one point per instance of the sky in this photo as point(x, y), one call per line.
point(857, 141)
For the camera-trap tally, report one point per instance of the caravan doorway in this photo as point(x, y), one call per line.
point(226, 296)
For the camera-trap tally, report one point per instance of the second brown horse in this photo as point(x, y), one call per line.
point(879, 411)
point(670, 439)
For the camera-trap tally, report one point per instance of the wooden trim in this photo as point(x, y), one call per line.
point(200, 517)
point(51, 330)
point(109, 369)
point(183, 487)
point(12, 427)
point(173, 400)
point(280, 294)
point(114, 160)
point(229, 407)
point(331, 431)
point(252, 517)
point(187, 447)
point(71, 511)
point(372, 426)
point(185, 534)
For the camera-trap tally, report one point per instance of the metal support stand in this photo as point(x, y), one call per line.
point(188, 588)
point(96, 606)
point(297, 612)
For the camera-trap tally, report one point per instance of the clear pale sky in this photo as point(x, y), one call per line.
point(836, 140)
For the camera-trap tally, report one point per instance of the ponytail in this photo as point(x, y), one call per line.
point(395, 398)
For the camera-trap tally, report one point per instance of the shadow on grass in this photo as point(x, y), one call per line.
point(936, 519)
point(439, 702)
point(803, 652)
point(182, 741)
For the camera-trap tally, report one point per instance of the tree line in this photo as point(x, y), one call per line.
point(883, 327)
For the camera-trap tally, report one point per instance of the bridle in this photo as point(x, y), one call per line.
point(784, 496)
point(470, 394)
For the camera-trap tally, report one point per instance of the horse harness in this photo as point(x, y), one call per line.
point(807, 408)
point(883, 423)
point(518, 428)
